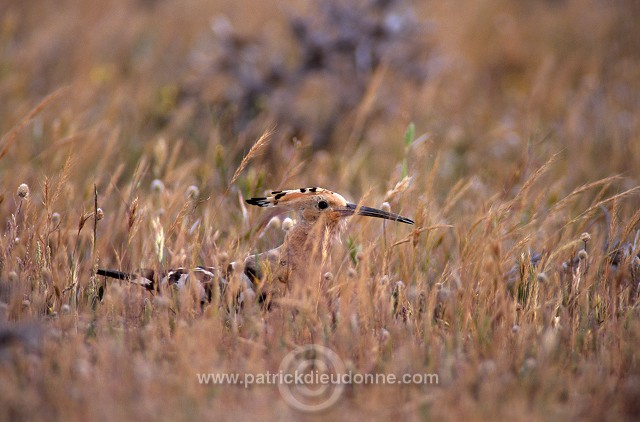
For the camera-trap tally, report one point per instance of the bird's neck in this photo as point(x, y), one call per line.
point(306, 245)
point(309, 235)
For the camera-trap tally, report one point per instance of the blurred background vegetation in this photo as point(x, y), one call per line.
point(492, 83)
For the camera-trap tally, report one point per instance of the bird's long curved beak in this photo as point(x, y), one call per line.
point(352, 209)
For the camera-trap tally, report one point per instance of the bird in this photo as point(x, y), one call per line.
point(321, 216)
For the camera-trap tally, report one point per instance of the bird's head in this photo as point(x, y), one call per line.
point(318, 204)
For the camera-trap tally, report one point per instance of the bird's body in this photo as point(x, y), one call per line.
point(178, 277)
point(320, 217)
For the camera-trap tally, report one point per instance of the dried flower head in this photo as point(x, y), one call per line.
point(385, 336)
point(13, 277)
point(529, 365)
point(193, 192)
point(99, 214)
point(157, 186)
point(585, 237)
point(583, 255)
point(55, 219)
point(287, 224)
point(23, 191)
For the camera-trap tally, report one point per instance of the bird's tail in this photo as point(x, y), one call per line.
point(114, 274)
point(144, 277)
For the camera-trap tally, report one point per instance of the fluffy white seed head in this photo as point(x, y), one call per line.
point(287, 224)
point(23, 191)
point(157, 186)
point(193, 193)
point(55, 219)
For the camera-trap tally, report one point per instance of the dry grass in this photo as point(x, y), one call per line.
point(530, 114)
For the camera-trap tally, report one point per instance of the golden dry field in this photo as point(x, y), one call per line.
point(508, 130)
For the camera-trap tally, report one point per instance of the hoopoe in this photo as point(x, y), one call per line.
point(321, 216)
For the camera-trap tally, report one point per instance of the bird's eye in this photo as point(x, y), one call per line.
point(323, 205)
